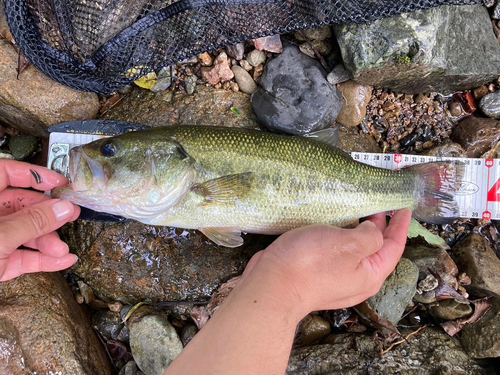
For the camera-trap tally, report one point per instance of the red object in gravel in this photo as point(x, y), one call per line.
point(466, 99)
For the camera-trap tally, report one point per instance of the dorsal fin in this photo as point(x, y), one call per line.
point(329, 136)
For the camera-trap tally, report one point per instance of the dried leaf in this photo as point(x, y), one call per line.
point(220, 295)
point(199, 314)
point(147, 81)
point(481, 307)
point(118, 351)
point(22, 64)
point(416, 229)
point(387, 331)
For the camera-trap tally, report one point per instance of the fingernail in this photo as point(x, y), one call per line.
point(63, 210)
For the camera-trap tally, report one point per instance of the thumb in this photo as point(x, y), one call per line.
point(33, 222)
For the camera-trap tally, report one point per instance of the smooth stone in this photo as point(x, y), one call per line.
point(219, 71)
point(188, 332)
point(339, 74)
point(433, 259)
point(269, 43)
point(311, 330)
point(133, 262)
point(129, 369)
point(44, 331)
point(294, 96)
point(396, 292)
point(356, 98)
point(482, 338)
point(190, 84)
point(429, 352)
point(448, 149)
point(34, 102)
point(244, 80)
point(490, 104)
point(236, 51)
point(110, 325)
point(450, 309)
point(320, 33)
point(476, 258)
point(23, 147)
point(154, 344)
point(255, 58)
point(443, 49)
point(209, 106)
point(477, 135)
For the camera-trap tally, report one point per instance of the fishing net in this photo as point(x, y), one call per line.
point(102, 45)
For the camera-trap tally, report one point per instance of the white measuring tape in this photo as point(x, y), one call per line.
point(479, 193)
point(478, 196)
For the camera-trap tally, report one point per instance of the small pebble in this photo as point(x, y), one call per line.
point(456, 109)
point(255, 58)
point(244, 80)
point(116, 306)
point(205, 59)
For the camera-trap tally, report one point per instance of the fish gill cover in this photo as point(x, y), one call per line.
point(102, 45)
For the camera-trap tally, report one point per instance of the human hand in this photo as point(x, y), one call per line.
point(323, 267)
point(29, 218)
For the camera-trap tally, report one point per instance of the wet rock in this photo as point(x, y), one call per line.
point(433, 259)
point(490, 104)
point(208, 107)
point(205, 59)
point(397, 292)
point(187, 333)
point(255, 58)
point(477, 135)
point(164, 80)
point(482, 339)
point(450, 309)
point(476, 258)
point(110, 325)
point(294, 96)
point(34, 102)
point(316, 46)
point(351, 140)
point(44, 331)
point(154, 344)
point(429, 352)
point(190, 84)
point(236, 51)
point(129, 369)
point(23, 147)
point(244, 80)
point(219, 72)
point(320, 33)
point(269, 43)
point(339, 74)
point(440, 49)
point(311, 330)
point(448, 149)
point(132, 262)
point(356, 98)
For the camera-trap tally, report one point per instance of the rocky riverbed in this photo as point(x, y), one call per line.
point(422, 83)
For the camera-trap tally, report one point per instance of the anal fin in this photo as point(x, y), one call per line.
point(228, 237)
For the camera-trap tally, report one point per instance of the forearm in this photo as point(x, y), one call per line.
point(251, 333)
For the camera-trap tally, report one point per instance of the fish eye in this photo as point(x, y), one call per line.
point(109, 148)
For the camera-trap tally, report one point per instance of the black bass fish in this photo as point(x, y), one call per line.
point(224, 181)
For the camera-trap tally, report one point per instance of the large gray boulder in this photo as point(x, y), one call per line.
point(444, 49)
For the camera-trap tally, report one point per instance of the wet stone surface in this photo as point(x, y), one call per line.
point(132, 262)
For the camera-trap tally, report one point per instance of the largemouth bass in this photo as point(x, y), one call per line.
point(224, 181)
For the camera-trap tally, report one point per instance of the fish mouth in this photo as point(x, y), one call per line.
point(84, 172)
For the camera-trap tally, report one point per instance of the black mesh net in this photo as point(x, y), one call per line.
point(102, 45)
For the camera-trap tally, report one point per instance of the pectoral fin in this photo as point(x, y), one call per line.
point(227, 188)
point(228, 237)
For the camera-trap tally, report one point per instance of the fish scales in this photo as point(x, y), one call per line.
point(224, 181)
point(300, 181)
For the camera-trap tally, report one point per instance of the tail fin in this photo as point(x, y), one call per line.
point(438, 185)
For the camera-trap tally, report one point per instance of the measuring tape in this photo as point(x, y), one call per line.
point(478, 195)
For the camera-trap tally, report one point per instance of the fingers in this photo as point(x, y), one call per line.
point(380, 220)
point(19, 174)
point(385, 260)
point(13, 200)
point(49, 244)
point(27, 261)
point(33, 222)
